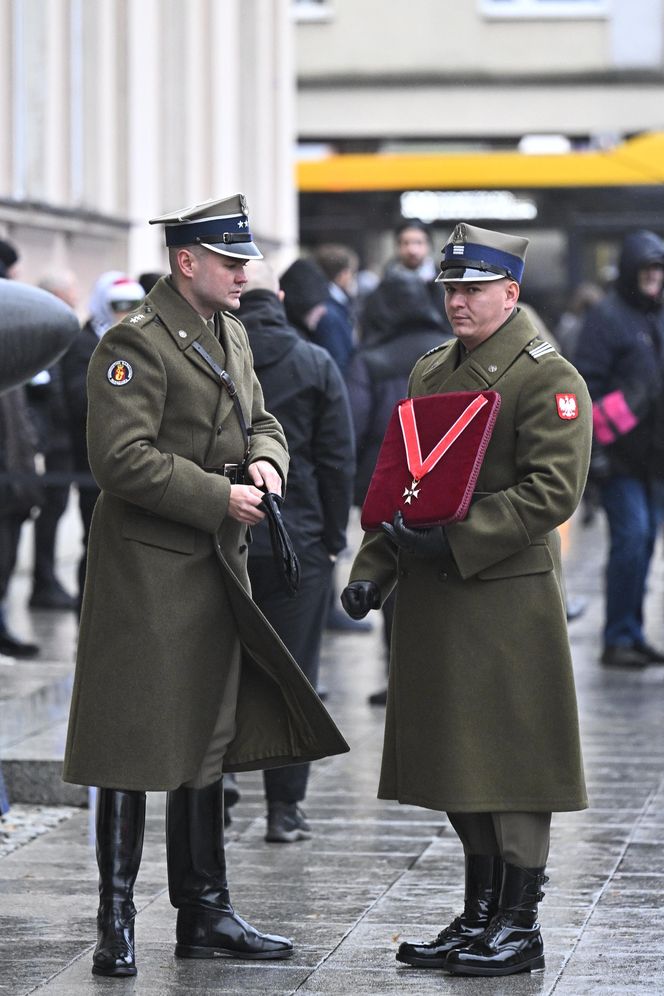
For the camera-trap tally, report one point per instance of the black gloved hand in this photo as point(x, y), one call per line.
point(359, 597)
point(430, 543)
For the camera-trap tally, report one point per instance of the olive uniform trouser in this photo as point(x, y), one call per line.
point(519, 838)
point(211, 768)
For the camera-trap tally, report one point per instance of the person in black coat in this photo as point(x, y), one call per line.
point(399, 324)
point(305, 391)
point(620, 353)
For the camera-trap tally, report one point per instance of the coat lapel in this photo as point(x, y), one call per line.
point(186, 327)
point(485, 365)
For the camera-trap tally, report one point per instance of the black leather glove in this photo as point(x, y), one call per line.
point(282, 547)
point(359, 597)
point(431, 543)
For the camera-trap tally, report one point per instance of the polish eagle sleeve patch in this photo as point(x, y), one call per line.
point(567, 406)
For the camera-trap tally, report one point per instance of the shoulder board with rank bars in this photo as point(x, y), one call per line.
point(539, 348)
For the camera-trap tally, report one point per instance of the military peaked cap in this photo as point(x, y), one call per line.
point(219, 225)
point(476, 254)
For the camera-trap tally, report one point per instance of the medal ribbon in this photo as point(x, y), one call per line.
point(416, 465)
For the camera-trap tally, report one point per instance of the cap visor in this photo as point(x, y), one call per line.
point(461, 274)
point(244, 250)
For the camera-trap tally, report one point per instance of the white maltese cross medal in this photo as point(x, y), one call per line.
point(412, 492)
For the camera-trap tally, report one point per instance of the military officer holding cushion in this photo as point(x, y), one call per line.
point(178, 674)
point(481, 713)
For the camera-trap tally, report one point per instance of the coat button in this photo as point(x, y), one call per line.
point(182, 334)
point(243, 548)
point(442, 575)
point(219, 430)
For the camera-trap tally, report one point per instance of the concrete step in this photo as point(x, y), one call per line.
point(33, 695)
point(32, 769)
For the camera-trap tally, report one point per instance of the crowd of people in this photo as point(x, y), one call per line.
point(316, 367)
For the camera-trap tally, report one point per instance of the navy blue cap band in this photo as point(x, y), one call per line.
point(234, 228)
point(469, 254)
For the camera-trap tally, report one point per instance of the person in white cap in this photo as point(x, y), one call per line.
point(178, 674)
point(481, 716)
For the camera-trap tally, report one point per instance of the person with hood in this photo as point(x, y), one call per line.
point(306, 301)
point(113, 296)
point(620, 355)
point(399, 324)
point(305, 392)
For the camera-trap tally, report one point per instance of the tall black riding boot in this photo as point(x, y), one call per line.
point(120, 828)
point(207, 924)
point(483, 880)
point(512, 942)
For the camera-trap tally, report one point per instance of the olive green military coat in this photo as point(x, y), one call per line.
point(167, 595)
point(481, 711)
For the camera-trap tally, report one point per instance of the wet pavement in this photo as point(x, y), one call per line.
point(374, 873)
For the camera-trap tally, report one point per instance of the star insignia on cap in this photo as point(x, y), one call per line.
point(242, 224)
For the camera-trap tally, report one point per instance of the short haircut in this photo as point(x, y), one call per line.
point(416, 223)
point(333, 259)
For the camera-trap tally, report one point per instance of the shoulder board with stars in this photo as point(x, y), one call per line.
point(435, 349)
point(539, 348)
point(139, 317)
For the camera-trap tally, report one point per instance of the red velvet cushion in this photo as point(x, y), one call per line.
point(445, 492)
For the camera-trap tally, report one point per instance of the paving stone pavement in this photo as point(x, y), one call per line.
point(374, 872)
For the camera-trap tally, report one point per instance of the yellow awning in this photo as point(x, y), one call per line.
point(637, 162)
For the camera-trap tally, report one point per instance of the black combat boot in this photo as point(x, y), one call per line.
point(483, 880)
point(512, 942)
point(120, 827)
point(207, 924)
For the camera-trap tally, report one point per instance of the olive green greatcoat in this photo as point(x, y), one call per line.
point(481, 711)
point(167, 592)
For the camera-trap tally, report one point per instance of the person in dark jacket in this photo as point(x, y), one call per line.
point(620, 355)
point(306, 302)
point(305, 391)
point(399, 324)
point(46, 399)
point(113, 296)
point(335, 330)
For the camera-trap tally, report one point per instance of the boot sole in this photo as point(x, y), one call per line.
point(422, 962)
point(114, 973)
point(288, 836)
point(187, 951)
point(535, 965)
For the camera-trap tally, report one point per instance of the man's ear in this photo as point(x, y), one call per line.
point(512, 292)
point(185, 260)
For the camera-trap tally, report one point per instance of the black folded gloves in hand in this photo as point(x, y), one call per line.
point(431, 543)
point(359, 597)
point(282, 547)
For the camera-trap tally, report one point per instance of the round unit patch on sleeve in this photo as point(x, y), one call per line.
point(567, 406)
point(119, 373)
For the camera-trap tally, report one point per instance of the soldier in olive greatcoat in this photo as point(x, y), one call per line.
point(481, 712)
point(178, 674)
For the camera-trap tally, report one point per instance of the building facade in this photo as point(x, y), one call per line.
point(113, 111)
